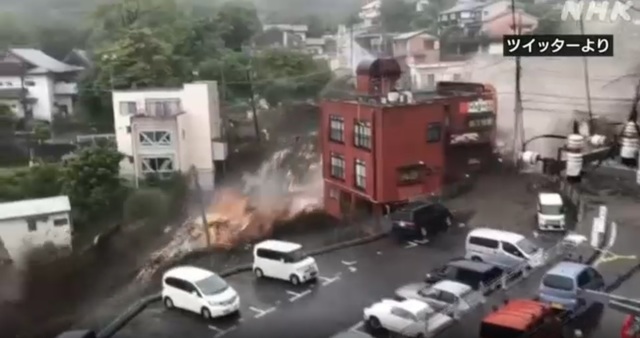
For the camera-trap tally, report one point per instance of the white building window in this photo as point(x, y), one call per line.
point(32, 224)
point(162, 166)
point(431, 80)
point(128, 108)
point(154, 138)
point(362, 135)
point(29, 83)
point(58, 222)
point(361, 174)
point(337, 166)
point(163, 107)
point(457, 77)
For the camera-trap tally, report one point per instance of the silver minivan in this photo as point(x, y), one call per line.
point(505, 249)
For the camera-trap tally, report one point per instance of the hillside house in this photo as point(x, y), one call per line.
point(34, 84)
point(29, 224)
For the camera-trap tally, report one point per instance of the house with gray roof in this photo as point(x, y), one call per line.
point(34, 84)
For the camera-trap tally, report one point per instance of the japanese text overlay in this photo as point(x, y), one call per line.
point(558, 45)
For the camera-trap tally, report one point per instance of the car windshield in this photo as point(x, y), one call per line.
point(426, 292)
point(296, 256)
point(558, 282)
point(550, 209)
point(527, 246)
point(212, 285)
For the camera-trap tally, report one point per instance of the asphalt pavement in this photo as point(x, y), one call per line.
point(351, 279)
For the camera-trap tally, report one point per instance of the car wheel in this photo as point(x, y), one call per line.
point(476, 259)
point(206, 314)
point(258, 272)
point(420, 335)
point(374, 323)
point(168, 303)
point(295, 280)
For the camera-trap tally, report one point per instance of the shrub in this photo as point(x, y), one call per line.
point(148, 205)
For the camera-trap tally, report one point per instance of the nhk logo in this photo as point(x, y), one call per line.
point(598, 10)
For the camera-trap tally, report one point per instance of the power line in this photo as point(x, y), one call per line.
point(614, 99)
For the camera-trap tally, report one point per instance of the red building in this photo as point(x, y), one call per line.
point(381, 147)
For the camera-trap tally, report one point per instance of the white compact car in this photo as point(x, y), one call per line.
point(283, 260)
point(452, 298)
point(410, 318)
point(200, 291)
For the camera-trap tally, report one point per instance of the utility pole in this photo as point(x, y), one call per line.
point(518, 127)
point(253, 100)
point(585, 65)
point(28, 114)
point(203, 206)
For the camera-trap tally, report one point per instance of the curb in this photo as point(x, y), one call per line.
point(134, 310)
point(129, 314)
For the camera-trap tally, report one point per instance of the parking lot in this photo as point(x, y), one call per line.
point(351, 279)
point(356, 277)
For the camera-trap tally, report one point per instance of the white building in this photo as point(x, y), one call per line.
point(28, 224)
point(299, 30)
point(47, 85)
point(425, 76)
point(349, 51)
point(370, 13)
point(165, 130)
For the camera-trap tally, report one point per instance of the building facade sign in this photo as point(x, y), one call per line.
point(478, 106)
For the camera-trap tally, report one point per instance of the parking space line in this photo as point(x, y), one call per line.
point(422, 241)
point(297, 296)
point(222, 333)
point(347, 263)
point(214, 328)
point(326, 281)
point(356, 327)
point(410, 245)
point(260, 312)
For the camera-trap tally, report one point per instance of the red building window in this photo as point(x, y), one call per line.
point(336, 128)
point(434, 132)
point(337, 166)
point(362, 135)
point(361, 174)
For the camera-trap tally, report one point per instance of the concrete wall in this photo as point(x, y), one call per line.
point(18, 239)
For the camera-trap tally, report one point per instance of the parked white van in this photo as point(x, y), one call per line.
point(200, 291)
point(283, 260)
point(551, 212)
point(505, 249)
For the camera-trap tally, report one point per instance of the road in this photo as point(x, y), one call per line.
point(352, 279)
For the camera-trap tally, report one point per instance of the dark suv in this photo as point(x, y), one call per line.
point(474, 274)
point(420, 220)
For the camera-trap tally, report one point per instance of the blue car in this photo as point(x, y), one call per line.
point(559, 286)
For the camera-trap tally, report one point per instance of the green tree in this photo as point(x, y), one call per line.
point(284, 74)
point(397, 15)
point(12, 32)
point(140, 58)
point(42, 180)
point(92, 182)
point(149, 205)
point(8, 120)
point(239, 23)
